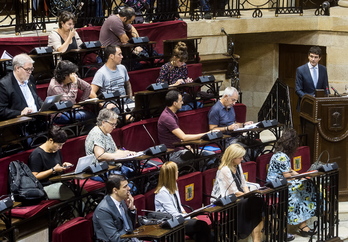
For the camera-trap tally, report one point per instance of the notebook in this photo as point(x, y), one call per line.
point(82, 164)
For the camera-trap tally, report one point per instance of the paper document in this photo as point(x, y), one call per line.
point(6, 55)
point(249, 126)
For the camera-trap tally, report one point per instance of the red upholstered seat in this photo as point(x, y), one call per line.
point(249, 170)
point(302, 159)
point(29, 211)
point(208, 177)
point(194, 121)
point(150, 200)
point(139, 202)
point(89, 217)
point(262, 167)
point(190, 189)
point(91, 185)
point(117, 136)
point(73, 149)
point(240, 110)
point(73, 230)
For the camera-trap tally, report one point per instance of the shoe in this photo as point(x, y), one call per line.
point(308, 233)
point(207, 16)
point(290, 237)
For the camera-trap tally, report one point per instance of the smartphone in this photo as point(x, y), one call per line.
point(68, 166)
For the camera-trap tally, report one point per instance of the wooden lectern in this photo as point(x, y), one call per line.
point(325, 122)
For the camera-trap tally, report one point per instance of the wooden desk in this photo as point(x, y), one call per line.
point(155, 232)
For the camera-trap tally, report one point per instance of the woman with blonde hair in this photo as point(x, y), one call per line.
point(230, 180)
point(167, 200)
point(175, 71)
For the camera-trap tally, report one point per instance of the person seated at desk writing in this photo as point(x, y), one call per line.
point(100, 142)
point(18, 91)
point(46, 162)
point(230, 180)
point(302, 205)
point(167, 200)
point(116, 213)
point(169, 131)
point(66, 82)
point(111, 77)
point(65, 38)
point(175, 71)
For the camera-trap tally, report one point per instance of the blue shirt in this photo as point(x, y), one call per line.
point(221, 116)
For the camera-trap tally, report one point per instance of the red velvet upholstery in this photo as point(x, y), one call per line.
point(73, 149)
point(194, 121)
point(262, 167)
point(89, 217)
point(141, 79)
point(135, 137)
point(4, 163)
point(117, 137)
point(302, 159)
point(249, 170)
point(150, 200)
point(190, 189)
point(41, 90)
point(29, 211)
point(139, 202)
point(18, 45)
point(91, 185)
point(155, 31)
point(73, 230)
point(240, 110)
point(208, 177)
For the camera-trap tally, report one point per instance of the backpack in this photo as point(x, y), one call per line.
point(24, 186)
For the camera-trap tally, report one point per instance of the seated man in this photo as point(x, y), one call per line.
point(17, 89)
point(115, 214)
point(169, 131)
point(117, 28)
point(222, 115)
point(112, 76)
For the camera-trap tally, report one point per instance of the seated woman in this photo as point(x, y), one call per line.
point(230, 180)
point(65, 37)
point(167, 200)
point(175, 71)
point(46, 161)
point(100, 142)
point(302, 205)
point(66, 82)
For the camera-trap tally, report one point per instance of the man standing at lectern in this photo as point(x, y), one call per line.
point(311, 75)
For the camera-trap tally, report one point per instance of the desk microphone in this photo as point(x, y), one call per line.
point(336, 92)
point(156, 149)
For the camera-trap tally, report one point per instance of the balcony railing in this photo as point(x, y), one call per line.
point(35, 14)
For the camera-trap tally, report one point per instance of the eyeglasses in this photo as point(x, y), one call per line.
point(112, 124)
point(28, 69)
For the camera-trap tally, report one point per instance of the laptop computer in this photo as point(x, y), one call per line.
point(49, 102)
point(82, 164)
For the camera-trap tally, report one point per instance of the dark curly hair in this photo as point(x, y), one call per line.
point(64, 69)
point(288, 142)
point(57, 134)
point(180, 52)
point(64, 17)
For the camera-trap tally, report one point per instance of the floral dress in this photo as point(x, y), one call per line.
point(302, 202)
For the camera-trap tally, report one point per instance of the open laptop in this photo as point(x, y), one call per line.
point(49, 101)
point(82, 164)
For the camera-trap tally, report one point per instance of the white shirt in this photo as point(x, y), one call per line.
point(28, 95)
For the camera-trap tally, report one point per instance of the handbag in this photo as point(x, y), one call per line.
point(318, 162)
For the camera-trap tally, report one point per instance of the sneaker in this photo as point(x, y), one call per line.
point(290, 237)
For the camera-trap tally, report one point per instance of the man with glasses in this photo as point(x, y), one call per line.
point(222, 115)
point(17, 90)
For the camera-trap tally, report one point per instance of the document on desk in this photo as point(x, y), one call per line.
point(137, 154)
point(249, 126)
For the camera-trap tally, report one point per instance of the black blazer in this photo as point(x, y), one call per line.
point(12, 101)
point(304, 81)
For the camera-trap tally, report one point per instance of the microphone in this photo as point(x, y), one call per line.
point(147, 131)
point(336, 92)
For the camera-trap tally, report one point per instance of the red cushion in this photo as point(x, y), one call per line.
point(73, 149)
point(190, 189)
point(194, 121)
point(73, 230)
point(249, 170)
point(29, 211)
point(150, 200)
point(262, 167)
point(139, 202)
point(302, 159)
point(208, 177)
point(240, 110)
point(91, 185)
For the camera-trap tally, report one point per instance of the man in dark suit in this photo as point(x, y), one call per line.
point(17, 89)
point(115, 214)
point(311, 75)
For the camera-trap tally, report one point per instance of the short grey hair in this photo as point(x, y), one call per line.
point(229, 91)
point(21, 60)
point(105, 115)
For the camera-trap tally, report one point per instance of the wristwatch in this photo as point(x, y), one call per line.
point(53, 171)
